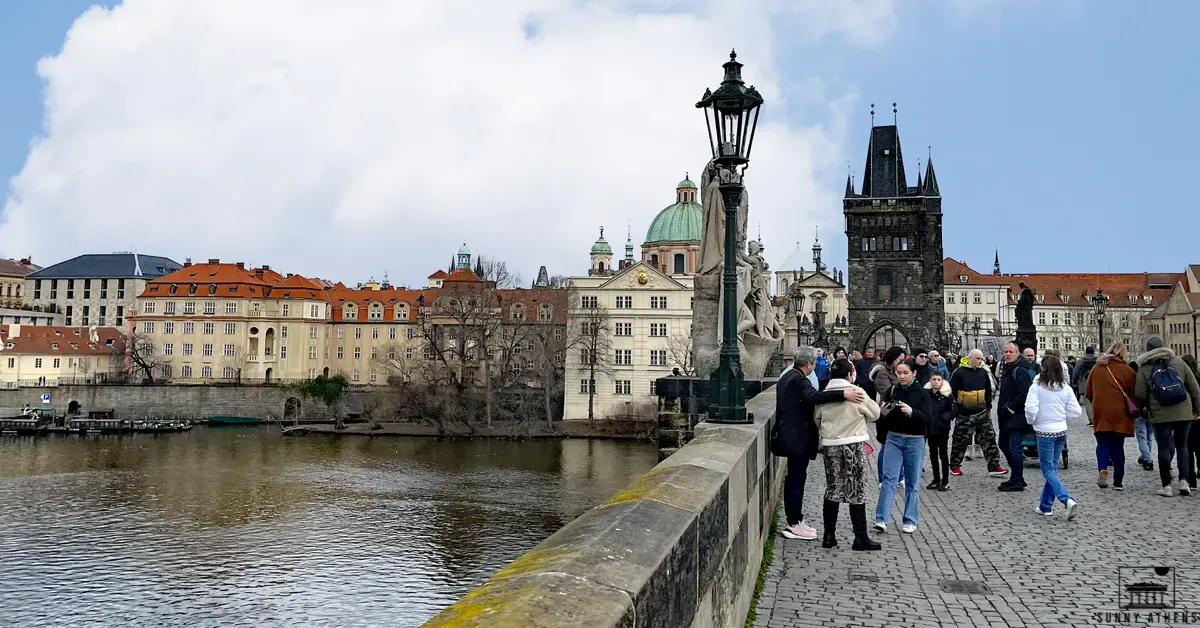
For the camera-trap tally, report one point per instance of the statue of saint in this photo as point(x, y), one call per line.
point(712, 235)
point(757, 303)
point(1025, 308)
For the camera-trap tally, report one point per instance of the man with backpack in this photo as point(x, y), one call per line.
point(1079, 378)
point(1168, 390)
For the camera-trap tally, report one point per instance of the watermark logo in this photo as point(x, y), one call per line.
point(1146, 588)
point(1146, 596)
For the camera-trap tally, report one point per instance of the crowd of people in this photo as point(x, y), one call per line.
point(921, 399)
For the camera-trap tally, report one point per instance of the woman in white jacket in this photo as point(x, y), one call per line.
point(1050, 404)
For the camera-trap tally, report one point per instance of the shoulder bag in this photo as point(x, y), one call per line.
point(1131, 406)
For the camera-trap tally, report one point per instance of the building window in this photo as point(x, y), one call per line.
point(187, 348)
point(37, 363)
point(374, 333)
point(206, 372)
point(518, 313)
point(1041, 318)
point(148, 327)
point(70, 288)
point(120, 288)
point(169, 307)
point(883, 284)
point(624, 302)
point(357, 353)
point(349, 314)
point(374, 353)
point(545, 312)
point(186, 372)
point(149, 307)
point(624, 357)
point(658, 329)
point(624, 329)
point(653, 387)
point(622, 387)
point(286, 309)
point(57, 362)
point(977, 298)
point(354, 375)
point(1054, 318)
point(229, 349)
point(227, 372)
point(950, 298)
point(658, 357)
point(679, 264)
point(207, 350)
point(230, 329)
point(584, 388)
point(168, 349)
point(85, 314)
point(341, 353)
point(189, 328)
point(314, 311)
point(283, 331)
point(169, 327)
point(590, 302)
point(658, 303)
point(189, 307)
point(391, 333)
point(282, 352)
point(408, 353)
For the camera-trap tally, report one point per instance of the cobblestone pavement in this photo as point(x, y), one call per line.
point(1039, 571)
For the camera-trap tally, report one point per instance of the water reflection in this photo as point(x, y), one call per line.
point(238, 527)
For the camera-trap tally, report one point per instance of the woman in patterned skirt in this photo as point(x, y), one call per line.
point(844, 437)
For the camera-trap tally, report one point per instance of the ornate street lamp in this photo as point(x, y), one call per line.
point(731, 115)
point(1099, 306)
point(797, 298)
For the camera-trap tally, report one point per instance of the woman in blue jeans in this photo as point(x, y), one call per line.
point(1048, 407)
point(906, 418)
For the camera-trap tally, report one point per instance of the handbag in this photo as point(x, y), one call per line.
point(1131, 406)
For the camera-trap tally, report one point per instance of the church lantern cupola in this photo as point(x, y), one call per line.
point(463, 260)
point(601, 255)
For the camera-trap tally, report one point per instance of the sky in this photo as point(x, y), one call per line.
point(348, 140)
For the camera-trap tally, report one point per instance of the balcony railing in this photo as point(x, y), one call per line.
point(264, 313)
point(253, 357)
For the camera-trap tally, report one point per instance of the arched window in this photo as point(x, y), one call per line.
point(783, 286)
point(679, 263)
point(518, 313)
point(349, 312)
point(206, 372)
point(401, 311)
point(654, 261)
point(600, 266)
point(212, 288)
point(376, 311)
point(544, 313)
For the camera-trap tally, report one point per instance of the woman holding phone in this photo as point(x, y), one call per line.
point(906, 417)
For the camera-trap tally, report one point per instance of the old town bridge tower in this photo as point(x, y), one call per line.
point(894, 234)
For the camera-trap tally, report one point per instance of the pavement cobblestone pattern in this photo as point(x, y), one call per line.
point(1039, 571)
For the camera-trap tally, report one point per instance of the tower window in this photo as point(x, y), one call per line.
point(654, 260)
point(883, 284)
point(679, 263)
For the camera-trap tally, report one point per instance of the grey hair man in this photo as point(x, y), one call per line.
point(973, 391)
point(795, 435)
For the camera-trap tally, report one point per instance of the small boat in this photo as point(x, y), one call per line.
point(233, 420)
point(296, 430)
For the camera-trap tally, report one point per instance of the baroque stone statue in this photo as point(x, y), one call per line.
point(1025, 308)
point(759, 332)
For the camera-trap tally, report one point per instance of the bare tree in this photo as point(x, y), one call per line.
point(497, 272)
point(593, 338)
point(137, 353)
point(237, 361)
point(679, 350)
point(379, 405)
point(550, 343)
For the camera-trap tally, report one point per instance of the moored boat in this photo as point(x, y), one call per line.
point(233, 420)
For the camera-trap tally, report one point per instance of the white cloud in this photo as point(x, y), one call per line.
point(345, 139)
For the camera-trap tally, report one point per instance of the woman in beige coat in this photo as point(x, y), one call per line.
point(844, 436)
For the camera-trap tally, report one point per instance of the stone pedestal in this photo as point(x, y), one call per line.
point(706, 323)
point(1027, 338)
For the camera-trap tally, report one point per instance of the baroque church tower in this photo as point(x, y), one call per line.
point(894, 234)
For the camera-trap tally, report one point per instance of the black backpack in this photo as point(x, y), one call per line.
point(1166, 384)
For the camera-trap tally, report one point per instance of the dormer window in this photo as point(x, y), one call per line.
point(1133, 299)
point(962, 279)
point(192, 289)
point(54, 345)
point(1149, 298)
point(173, 289)
point(212, 288)
point(1041, 298)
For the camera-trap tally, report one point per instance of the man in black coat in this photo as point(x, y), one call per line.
point(1010, 411)
point(795, 435)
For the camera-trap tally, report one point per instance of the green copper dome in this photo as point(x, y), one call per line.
point(681, 222)
point(686, 183)
point(601, 246)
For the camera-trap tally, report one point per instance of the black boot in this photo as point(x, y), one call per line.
point(858, 517)
point(830, 517)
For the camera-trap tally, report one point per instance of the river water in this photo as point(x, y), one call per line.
point(241, 527)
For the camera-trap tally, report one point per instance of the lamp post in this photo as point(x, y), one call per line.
point(797, 297)
point(731, 115)
point(977, 336)
point(1099, 306)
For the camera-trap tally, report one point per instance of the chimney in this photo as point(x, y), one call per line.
point(241, 265)
point(258, 272)
point(27, 261)
point(187, 262)
point(14, 331)
point(266, 268)
point(213, 261)
point(289, 275)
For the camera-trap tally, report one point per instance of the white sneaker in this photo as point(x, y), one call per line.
point(900, 484)
point(1184, 489)
point(1166, 491)
point(1072, 509)
point(1038, 510)
point(800, 531)
point(909, 528)
point(881, 527)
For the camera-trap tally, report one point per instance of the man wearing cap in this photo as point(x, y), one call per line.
point(1079, 377)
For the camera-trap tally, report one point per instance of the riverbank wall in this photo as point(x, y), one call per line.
point(679, 547)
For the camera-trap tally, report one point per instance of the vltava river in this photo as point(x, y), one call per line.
point(241, 527)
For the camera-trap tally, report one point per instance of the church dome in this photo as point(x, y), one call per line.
point(601, 246)
point(681, 222)
point(463, 250)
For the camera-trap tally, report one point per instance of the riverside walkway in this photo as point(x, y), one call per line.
point(1034, 571)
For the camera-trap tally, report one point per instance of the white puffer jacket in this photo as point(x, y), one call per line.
point(1049, 409)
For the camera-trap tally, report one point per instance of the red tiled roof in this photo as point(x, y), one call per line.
point(1075, 286)
point(43, 340)
point(438, 275)
point(389, 298)
point(463, 274)
point(217, 279)
point(17, 268)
